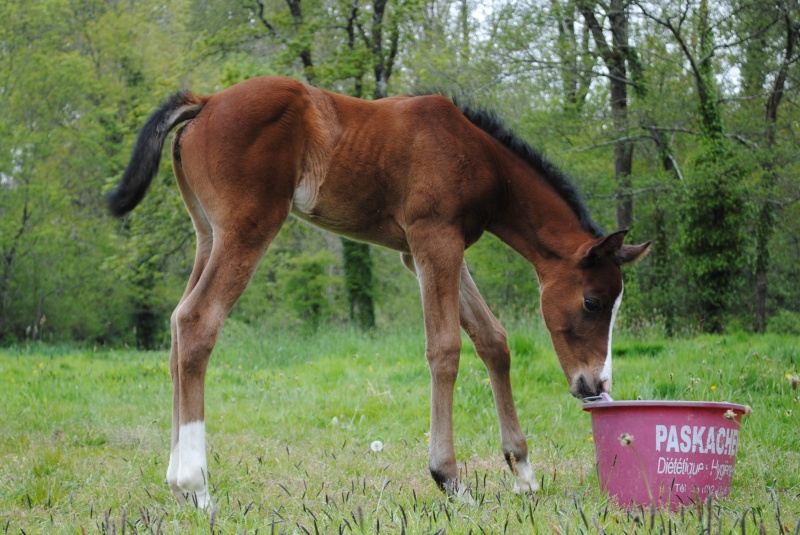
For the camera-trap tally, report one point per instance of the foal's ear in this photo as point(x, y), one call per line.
point(603, 247)
point(633, 253)
point(612, 245)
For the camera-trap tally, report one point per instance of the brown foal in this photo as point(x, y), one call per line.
point(417, 174)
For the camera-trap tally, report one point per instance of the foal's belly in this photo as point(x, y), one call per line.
point(377, 228)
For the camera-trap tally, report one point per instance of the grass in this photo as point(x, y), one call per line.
point(84, 437)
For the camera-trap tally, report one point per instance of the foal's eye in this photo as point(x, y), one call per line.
point(591, 305)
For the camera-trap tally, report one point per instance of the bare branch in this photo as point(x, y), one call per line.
point(737, 137)
point(263, 20)
point(613, 142)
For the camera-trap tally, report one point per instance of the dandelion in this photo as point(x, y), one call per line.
point(487, 380)
point(590, 439)
point(713, 387)
point(376, 446)
point(35, 371)
point(626, 439)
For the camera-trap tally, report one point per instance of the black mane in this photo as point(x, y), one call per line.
point(561, 182)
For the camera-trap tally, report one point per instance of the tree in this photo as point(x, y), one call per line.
point(616, 56)
point(768, 209)
point(714, 216)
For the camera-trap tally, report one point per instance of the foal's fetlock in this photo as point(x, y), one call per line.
point(523, 472)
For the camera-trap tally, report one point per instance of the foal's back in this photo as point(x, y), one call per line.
point(365, 169)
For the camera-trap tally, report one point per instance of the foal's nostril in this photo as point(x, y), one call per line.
point(583, 390)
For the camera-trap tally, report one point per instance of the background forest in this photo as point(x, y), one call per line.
point(678, 119)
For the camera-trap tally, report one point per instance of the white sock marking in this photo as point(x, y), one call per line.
point(192, 465)
point(605, 375)
point(526, 479)
point(172, 471)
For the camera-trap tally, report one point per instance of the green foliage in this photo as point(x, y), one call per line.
point(508, 282)
point(714, 180)
point(308, 286)
point(715, 237)
point(785, 322)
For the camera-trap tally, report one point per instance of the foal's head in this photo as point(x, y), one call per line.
point(580, 298)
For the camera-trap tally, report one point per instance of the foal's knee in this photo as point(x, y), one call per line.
point(443, 359)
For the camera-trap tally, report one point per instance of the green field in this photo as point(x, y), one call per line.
point(84, 437)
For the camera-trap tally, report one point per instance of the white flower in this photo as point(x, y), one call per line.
point(334, 421)
point(376, 446)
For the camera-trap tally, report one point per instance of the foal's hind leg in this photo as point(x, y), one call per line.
point(489, 339)
point(240, 237)
point(201, 258)
point(199, 320)
point(202, 255)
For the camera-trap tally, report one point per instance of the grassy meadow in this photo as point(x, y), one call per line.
point(84, 437)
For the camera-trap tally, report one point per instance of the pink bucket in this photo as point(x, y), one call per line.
point(665, 452)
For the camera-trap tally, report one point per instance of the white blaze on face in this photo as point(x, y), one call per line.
point(192, 465)
point(605, 375)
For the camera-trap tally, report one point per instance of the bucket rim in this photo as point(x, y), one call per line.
point(655, 403)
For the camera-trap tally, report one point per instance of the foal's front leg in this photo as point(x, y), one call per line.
point(489, 339)
point(436, 262)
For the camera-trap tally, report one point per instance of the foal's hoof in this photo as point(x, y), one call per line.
point(198, 500)
point(526, 487)
point(458, 491)
point(525, 478)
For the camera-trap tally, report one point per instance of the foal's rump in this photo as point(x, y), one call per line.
point(249, 131)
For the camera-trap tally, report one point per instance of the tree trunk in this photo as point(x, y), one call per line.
point(8, 257)
point(359, 282)
point(662, 263)
point(357, 261)
point(767, 213)
point(615, 57)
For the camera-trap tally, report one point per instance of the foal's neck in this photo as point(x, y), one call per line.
point(537, 221)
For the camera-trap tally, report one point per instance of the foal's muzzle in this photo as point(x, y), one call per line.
point(582, 389)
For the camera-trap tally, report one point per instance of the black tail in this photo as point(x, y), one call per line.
point(143, 166)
